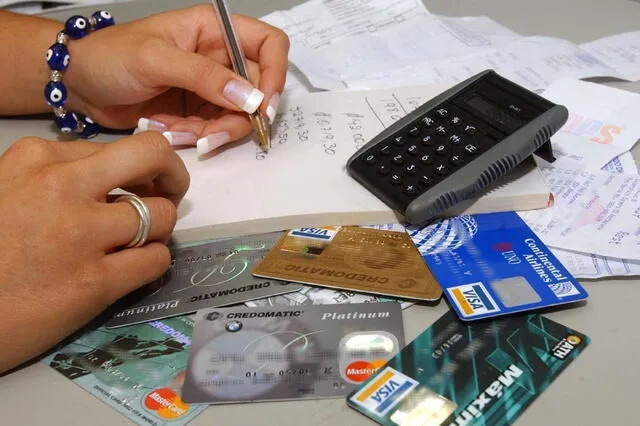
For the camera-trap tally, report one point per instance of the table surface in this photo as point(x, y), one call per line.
point(600, 386)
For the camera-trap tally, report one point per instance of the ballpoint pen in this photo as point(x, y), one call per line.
point(236, 55)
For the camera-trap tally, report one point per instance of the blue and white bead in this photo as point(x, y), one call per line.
point(55, 93)
point(102, 19)
point(77, 27)
point(90, 130)
point(67, 123)
point(58, 57)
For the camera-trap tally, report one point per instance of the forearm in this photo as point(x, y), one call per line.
point(24, 42)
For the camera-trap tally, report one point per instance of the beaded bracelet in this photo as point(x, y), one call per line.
point(55, 92)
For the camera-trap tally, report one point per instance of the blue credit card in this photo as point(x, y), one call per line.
point(481, 373)
point(493, 264)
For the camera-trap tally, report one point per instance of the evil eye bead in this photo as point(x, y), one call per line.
point(102, 19)
point(58, 57)
point(90, 130)
point(77, 26)
point(55, 93)
point(67, 123)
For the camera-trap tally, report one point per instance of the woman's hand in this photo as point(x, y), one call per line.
point(61, 260)
point(174, 68)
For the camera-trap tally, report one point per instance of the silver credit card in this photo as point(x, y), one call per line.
point(216, 273)
point(268, 354)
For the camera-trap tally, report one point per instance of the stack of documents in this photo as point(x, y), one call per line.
point(376, 44)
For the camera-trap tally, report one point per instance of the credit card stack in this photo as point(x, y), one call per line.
point(316, 313)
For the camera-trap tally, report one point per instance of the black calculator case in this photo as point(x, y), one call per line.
point(513, 144)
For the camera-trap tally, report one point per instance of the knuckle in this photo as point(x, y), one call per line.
point(155, 146)
point(166, 214)
point(205, 70)
point(31, 147)
point(282, 38)
point(160, 257)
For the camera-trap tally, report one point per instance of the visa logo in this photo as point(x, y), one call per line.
point(472, 300)
point(384, 391)
point(325, 234)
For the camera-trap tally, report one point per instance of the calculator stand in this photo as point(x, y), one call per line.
point(546, 152)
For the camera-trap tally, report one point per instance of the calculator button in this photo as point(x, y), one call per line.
point(426, 159)
point(427, 140)
point(456, 121)
point(411, 169)
point(414, 131)
point(441, 150)
point(441, 130)
point(383, 170)
point(371, 159)
point(385, 150)
point(427, 121)
point(395, 179)
point(456, 160)
point(410, 190)
point(398, 159)
point(399, 140)
point(425, 180)
point(471, 149)
point(441, 170)
point(413, 150)
point(455, 139)
point(442, 112)
point(470, 130)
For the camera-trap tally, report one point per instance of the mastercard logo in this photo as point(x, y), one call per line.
point(359, 371)
point(165, 403)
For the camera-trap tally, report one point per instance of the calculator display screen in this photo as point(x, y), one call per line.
point(494, 112)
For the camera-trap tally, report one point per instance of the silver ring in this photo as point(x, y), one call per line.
point(145, 219)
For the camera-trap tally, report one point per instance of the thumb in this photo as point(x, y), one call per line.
point(167, 65)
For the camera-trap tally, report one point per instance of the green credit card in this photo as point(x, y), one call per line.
point(462, 374)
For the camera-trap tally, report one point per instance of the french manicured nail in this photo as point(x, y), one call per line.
point(211, 142)
point(146, 124)
point(272, 107)
point(243, 95)
point(180, 138)
point(137, 130)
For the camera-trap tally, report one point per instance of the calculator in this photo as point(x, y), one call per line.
point(456, 144)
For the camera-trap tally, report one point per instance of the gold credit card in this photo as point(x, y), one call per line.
point(352, 258)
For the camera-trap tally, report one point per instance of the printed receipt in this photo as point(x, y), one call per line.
point(595, 210)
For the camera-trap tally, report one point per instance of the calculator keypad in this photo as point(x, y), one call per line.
point(425, 152)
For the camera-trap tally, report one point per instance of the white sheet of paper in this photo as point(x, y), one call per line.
point(597, 210)
point(603, 115)
point(314, 25)
point(239, 189)
point(533, 62)
point(619, 51)
point(332, 42)
point(624, 163)
point(593, 266)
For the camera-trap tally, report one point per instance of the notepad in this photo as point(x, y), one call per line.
point(302, 181)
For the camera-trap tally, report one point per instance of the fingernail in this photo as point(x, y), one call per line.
point(147, 124)
point(137, 130)
point(243, 95)
point(180, 138)
point(211, 142)
point(272, 107)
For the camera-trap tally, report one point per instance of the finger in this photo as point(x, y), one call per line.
point(199, 74)
point(122, 219)
point(269, 47)
point(129, 269)
point(141, 159)
point(227, 128)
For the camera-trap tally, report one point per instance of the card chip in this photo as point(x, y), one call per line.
point(515, 291)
